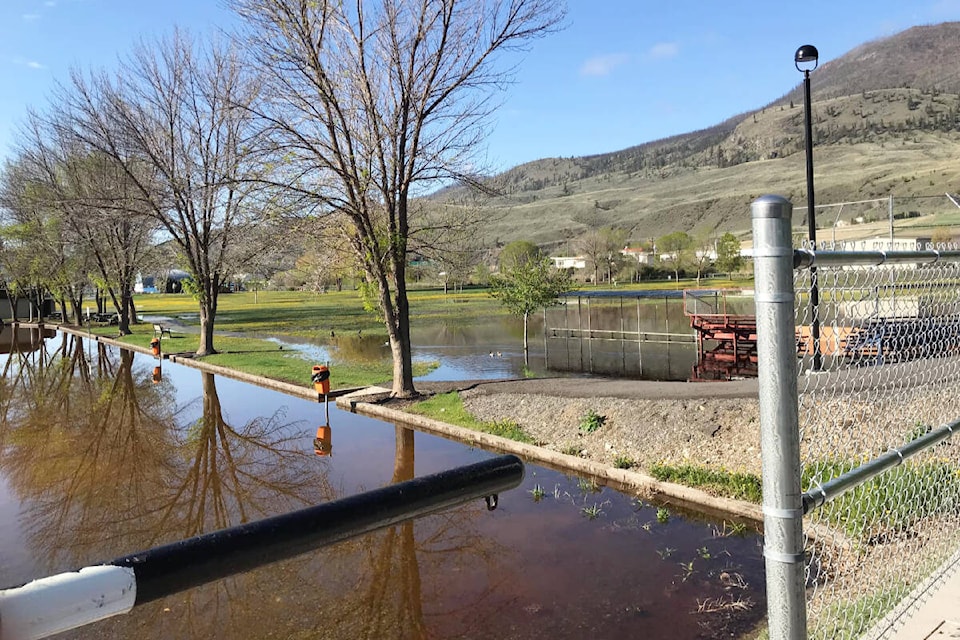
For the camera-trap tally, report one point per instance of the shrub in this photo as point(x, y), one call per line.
point(591, 421)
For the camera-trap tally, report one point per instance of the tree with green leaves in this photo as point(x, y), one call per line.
point(728, 254)
point(526, 285)
point(516, 253)
point(675, 250)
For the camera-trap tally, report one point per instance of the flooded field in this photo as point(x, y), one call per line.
point(104, 454)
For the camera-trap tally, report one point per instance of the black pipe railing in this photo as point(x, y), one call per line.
point(172, 568)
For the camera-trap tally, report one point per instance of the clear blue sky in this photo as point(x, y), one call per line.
point(621, 73)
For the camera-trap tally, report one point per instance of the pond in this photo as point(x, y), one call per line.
point(105, 454)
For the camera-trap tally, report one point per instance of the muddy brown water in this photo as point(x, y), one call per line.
point(104, 456)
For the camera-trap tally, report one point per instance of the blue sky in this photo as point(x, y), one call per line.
point(621, 73)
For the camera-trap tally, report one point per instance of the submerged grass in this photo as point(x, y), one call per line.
point(265, 358)
point(740, 486)
point(448, 407)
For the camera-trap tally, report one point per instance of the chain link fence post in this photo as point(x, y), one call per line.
point(779, 422)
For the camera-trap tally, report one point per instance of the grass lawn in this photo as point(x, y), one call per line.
point(305, 315)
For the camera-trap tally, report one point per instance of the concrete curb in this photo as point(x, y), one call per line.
point(623, 478)
point(359, 401)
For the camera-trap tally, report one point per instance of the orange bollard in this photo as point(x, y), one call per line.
point(323, 443)
point(321, 379)
point(157, 375)
point(155, 346)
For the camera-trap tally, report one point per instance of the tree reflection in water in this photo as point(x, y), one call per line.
point(105, 463)
point(98, 456)
point(407, 581)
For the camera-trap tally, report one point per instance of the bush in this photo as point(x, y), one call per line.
point(591, 421)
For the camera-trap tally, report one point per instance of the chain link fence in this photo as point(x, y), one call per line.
point(890, 346)
point(879, 472)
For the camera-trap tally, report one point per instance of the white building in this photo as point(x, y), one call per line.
point(569, 262)
point(640, 255)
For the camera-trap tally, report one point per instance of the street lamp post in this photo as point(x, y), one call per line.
point(808, 56)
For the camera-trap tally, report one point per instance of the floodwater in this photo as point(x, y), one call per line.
point(493, 348)
point(104, 455)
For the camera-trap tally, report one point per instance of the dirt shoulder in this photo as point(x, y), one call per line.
point(715, 425)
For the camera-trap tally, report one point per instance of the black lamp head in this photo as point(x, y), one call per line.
point(806, 53)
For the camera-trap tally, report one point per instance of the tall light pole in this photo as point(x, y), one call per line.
point(808, 56)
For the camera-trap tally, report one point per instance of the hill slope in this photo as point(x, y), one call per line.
point(886, 119)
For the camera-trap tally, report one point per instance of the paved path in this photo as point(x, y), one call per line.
point(938, 617)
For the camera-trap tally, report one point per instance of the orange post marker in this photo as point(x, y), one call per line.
point(323, 443)
point(155, 346)
point(321, 379)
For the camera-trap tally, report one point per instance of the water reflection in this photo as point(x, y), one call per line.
point(96, 450)
point(100, 461)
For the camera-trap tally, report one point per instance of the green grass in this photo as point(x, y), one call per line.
point(309, 315)
point(890, 503)
point(448, 407)
point(264, 358)
point(591, 421)
point(740, 486)
point(849, 619)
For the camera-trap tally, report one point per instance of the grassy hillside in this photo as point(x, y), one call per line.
point(886, 122)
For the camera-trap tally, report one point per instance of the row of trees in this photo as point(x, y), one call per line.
point(318, 117)
point(677, 251)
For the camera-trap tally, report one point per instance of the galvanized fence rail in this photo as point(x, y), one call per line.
point(861, 478)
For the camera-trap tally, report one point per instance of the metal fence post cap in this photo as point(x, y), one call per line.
point(771, 206)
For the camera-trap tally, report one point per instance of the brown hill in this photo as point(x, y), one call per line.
point(886, 118)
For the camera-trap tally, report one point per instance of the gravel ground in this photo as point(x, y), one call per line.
point(713, 432)
point(712, 425)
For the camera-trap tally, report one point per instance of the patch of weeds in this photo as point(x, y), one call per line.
point(704, 553)
point(918, 431)
point(588, 485)
point(728, 603)
point(622, 462)
point(592, 512)
point(688, 570)
point(449, 408)
point(740, 486)
point(528, 372)
point(665, 553)
point(571, 450)
point(663, 515)
point(506, 429)
point(537, 492)
point(876, 512)
point(591, 421)
point(729, 529)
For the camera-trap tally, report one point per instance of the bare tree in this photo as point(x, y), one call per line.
point(184, 112)
point(97, 203)
point(601, 248)
point(373, 103)
point(704, 254)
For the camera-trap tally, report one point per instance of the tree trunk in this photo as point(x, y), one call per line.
point(207, 316)
point(124, 311)
point(526, 347)
point(398, 328)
